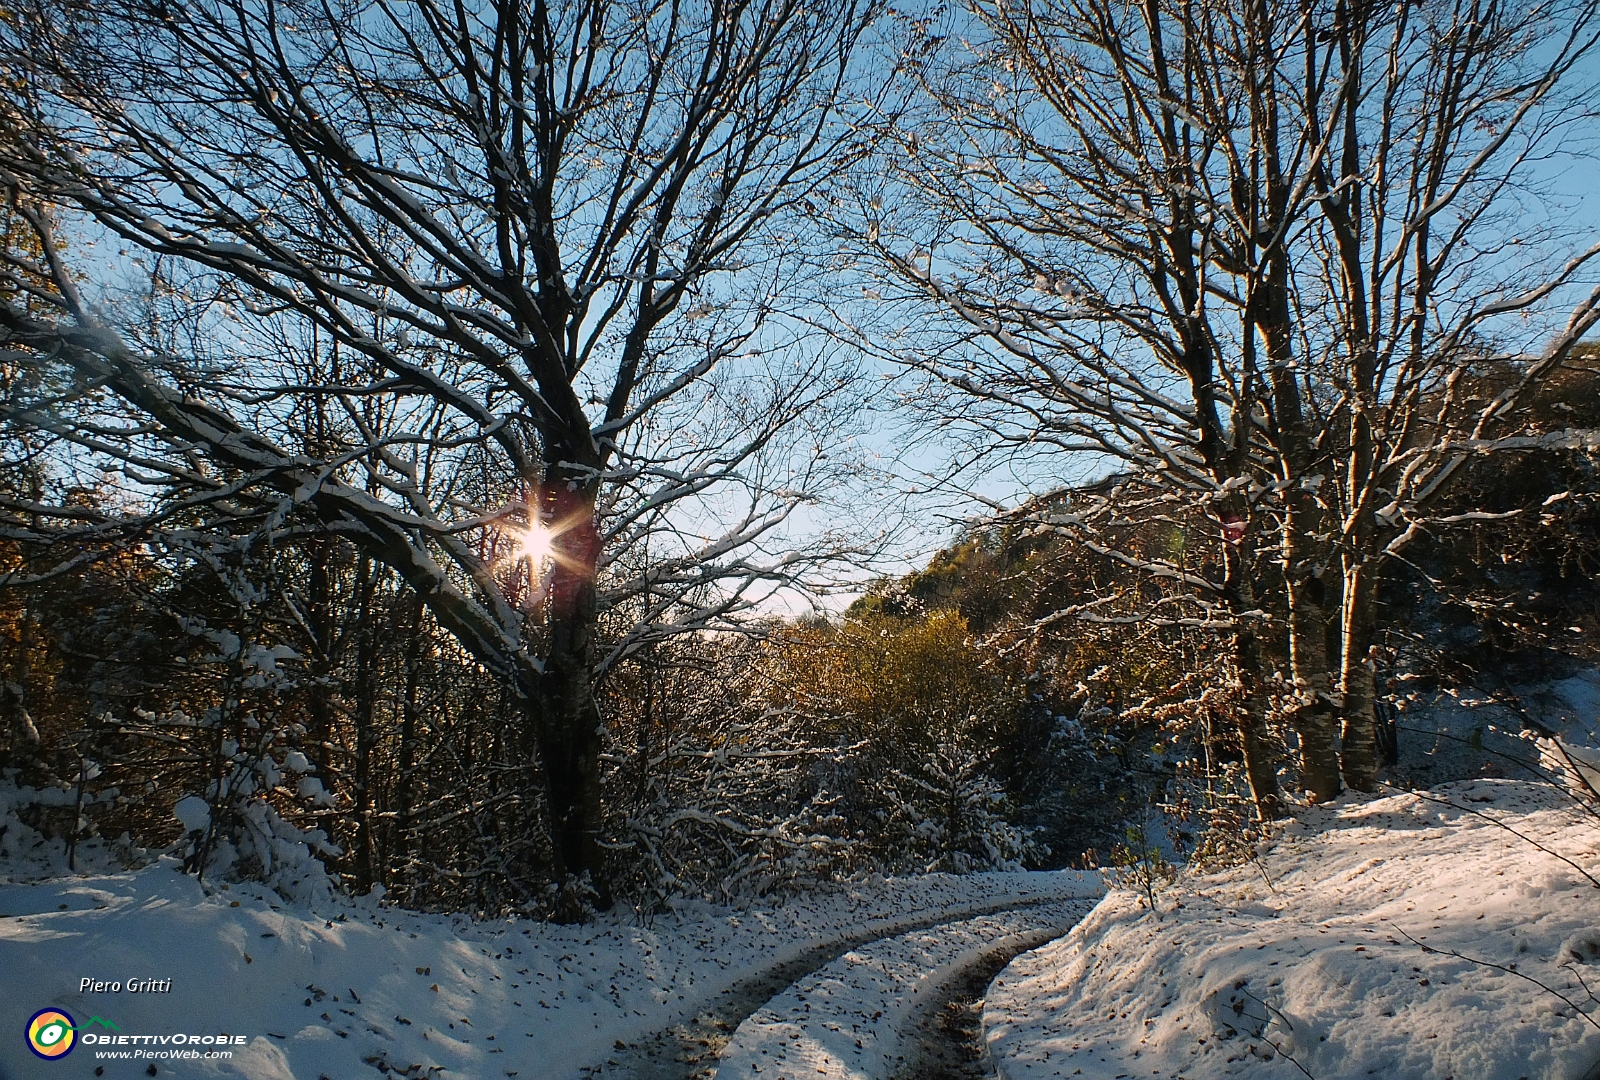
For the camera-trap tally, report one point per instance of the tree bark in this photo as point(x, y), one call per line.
point(319, 618)
point(403, 843)
point(1358, 757)
point(563, 711)
point(22, 736)
point(1258, 764)
point(1267, 206)
point(367, 862)
point(1315, 719)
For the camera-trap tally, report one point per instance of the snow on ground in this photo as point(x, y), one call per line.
point(1306, 965)
point(360, 989)
point(851, 1019)
point(1301, 966)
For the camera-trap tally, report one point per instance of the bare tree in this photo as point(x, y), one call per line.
point(556, 239)
point(1146, 233)
point(1416, 249)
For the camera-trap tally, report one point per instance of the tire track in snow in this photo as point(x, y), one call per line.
point(693, 1049)
point(871, 1014)
point(947, 1038)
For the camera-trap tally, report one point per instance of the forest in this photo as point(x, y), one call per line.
point(544, 457)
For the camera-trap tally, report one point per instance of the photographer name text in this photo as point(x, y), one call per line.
point(132, 986)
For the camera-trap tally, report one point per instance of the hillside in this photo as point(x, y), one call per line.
point(1444, 934)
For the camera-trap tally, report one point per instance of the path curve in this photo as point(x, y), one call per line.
point(866, 1015)
point(947, 1038)
point(695, 1049)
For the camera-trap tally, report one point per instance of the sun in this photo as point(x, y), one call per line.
point(534, 542)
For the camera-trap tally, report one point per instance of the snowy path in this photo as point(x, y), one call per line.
point(354, 989)
point(947, 1037)
point(864, 1015)
point(690, 1050)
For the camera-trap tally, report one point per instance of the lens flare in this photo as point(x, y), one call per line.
point(535, 543)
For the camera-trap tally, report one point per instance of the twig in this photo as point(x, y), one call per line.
point(1531, 766)
point(1263, 868)
point(1511, 970)
point(1505, 694)
point(1576, 974)
point(1575, 770)
point(1496, 821)
point(1284, 1020)
point(1587, 806)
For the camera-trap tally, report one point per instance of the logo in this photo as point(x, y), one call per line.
point(51, 1034)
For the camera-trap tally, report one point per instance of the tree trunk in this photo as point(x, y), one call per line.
point(319, 706)
point(1270, 308)
point(402, 846)
point(1258, 764)
point(567, 722)
point(22, 742)
point(1358, 757)
point(365, 717)
point(563, 711)
point(1315, 717)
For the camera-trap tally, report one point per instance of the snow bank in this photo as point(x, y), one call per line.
point(850, 1020)
point(361, 990)
point(27, 854)
point(1396, 937)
